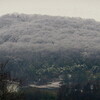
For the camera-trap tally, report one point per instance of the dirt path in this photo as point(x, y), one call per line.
point(51, 85)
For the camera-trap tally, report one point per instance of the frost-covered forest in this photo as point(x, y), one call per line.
point(36, 33)
point(43, 48)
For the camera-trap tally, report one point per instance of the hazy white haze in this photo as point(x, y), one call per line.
point(71, 8)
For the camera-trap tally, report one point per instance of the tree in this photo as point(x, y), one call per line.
point(4, 77)
point(5, 82)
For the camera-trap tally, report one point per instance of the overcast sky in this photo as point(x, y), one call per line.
point(71, 8)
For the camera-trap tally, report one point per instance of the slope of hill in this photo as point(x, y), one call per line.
point(46, 32)
point(40, 45)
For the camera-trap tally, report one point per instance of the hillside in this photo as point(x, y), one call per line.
point(44, 47)
point(47, 32)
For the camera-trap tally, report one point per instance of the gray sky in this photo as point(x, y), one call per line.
point(71, 8)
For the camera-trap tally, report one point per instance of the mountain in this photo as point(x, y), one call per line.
point(40, 45)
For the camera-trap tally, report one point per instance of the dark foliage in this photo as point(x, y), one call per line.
point(89, 91)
